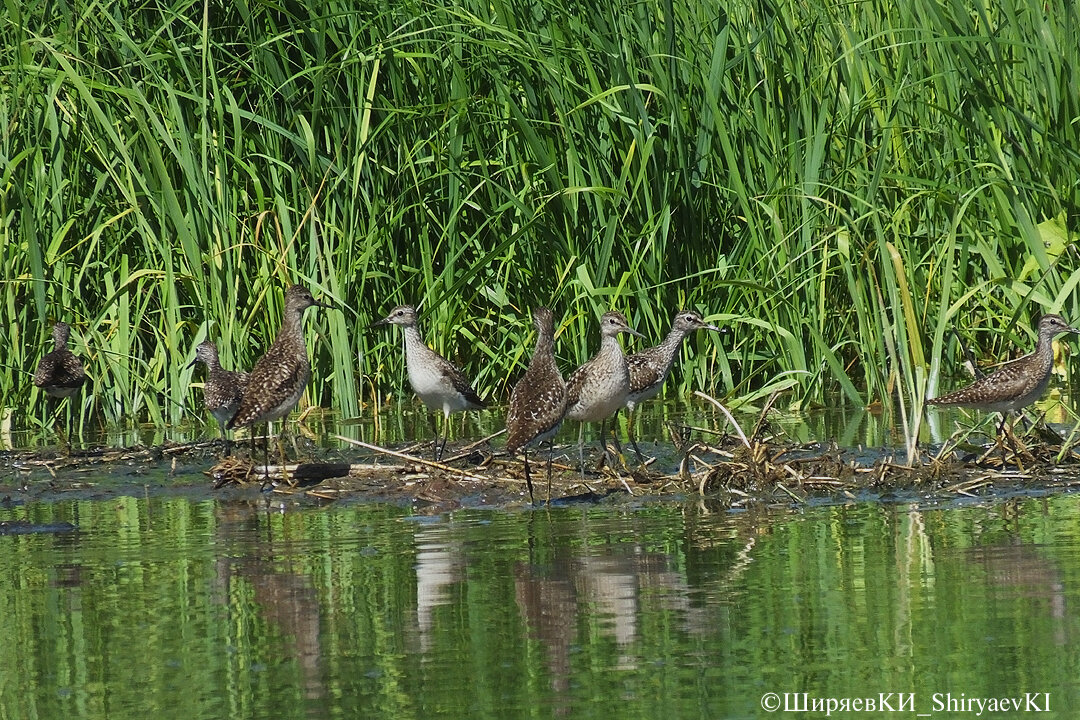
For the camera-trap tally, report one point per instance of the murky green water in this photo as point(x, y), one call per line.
point(177, 607)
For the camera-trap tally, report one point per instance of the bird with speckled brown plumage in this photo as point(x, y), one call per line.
point(597, 389)
point(60, 373)
point(434, 379)
point(222, 390)
point(538, 401)
point(1017, 383)
point(649, 368)
point(280, 376)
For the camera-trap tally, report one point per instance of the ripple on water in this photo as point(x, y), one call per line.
point(198, 607)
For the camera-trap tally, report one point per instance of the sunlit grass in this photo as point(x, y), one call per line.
point(837, 184)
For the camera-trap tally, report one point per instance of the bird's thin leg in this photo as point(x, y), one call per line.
point(997, 446)
point(266, 456)
point(435, 431)
point(1023, 418)
point(281, 453)
point(225, 438)
point(445, 433)
point(551, 451)
point(603, 445)
point(615, 432)
point(528, 476)
point(58, 426)
point(67, 438)
point(618, 445)
point(581, 448)
point(631, 436)
point(1018, 446)
point(1001, 438)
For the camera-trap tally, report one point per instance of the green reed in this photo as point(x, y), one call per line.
point(837, 184)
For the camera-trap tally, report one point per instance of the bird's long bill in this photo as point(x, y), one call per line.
point(634, 332)
point(710, 327)
point(326, 305)
point(192, 363)
point(379, 323)
point(1073, 330)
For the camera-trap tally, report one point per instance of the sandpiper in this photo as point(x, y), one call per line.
point(1017, 383)
point(223, 388)
point(279, 377)
point(650, 368)
point(60, 373)
point(538, 401)
point(597, 389)
point(438, 384)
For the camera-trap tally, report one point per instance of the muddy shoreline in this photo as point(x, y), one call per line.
point(729, 474)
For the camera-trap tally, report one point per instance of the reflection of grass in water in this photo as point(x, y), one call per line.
point(352, 595)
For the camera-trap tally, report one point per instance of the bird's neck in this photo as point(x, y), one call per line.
point(545, 348)
point(1045, 344)
point(292, 324)
point(609, 346)
point(671, 343)
point(414, 343)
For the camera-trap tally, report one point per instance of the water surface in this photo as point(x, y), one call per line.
point(211, 608)
point(404, 422)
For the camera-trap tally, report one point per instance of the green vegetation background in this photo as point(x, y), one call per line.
point(838, 184)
